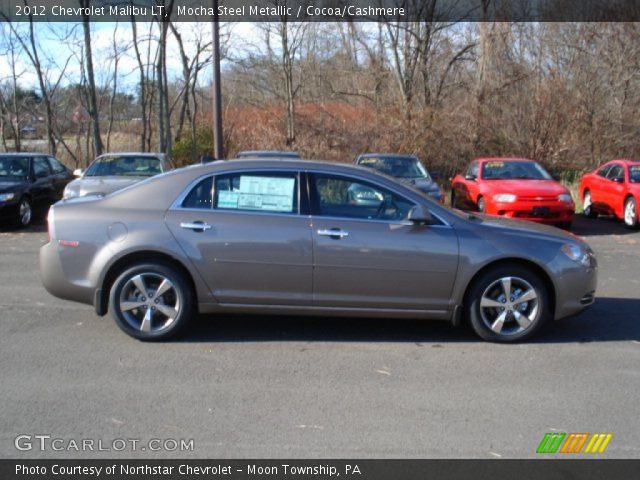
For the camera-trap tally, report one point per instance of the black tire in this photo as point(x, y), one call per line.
point(630, 221)
point(534, 313)
point(177, 297)
point(482, 205)
point(588, 208)
point(25, 213)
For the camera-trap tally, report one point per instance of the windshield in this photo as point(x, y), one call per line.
point(400, 167)
point(14, 167)
point(125, 166)
point(634, 173)
point(515, 169)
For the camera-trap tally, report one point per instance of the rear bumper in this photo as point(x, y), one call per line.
point(57, 282)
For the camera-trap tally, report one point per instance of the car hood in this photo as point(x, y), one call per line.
point(522, 227)
point(542, 188)
point(424, 184)
point(102, 185)
point(11, 185)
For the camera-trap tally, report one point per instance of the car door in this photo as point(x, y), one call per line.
point(466, 189)
point(614, 193)
point(61, 175)
point(42, 189)
point(244, 234)
point(598, 187)
point(367, 256)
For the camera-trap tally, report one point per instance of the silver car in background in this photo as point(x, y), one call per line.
point(285, 237)
point(113, 171)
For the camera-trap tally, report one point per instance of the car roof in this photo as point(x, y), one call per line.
point(267, 153)
point(158, 155)
point(498, 159)
point(24, 154)
point(389, 155)
point(626, 161)
point(275, 163)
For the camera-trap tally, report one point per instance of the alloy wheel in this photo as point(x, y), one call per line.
point(25, 212)
point(149, 302)
point(586, 204)
point(509, 306)
point(630, 213)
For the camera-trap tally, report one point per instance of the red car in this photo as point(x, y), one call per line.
point(613, 189)
point(515, 188)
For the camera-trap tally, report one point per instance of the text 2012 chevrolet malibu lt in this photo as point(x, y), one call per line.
point(286, 237)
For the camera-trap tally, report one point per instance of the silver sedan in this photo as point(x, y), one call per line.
point(287, 237)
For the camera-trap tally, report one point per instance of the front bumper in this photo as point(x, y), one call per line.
point(543, 212)
point(576, 291)
point(10, 210)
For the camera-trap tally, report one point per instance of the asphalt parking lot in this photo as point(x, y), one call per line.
point(261, 387)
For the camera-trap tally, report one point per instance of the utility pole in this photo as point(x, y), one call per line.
point(218, 152)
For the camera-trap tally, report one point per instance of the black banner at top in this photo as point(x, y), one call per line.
point(321, 10)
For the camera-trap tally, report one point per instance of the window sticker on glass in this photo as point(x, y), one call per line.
point(274, 194)
point(228, 199)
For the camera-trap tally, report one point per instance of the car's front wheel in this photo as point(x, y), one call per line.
point(631, 213)
point(25, 213)
point(482, 205)
point(507, 304)
point(151, 301)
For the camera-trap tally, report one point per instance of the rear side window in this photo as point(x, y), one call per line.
point(201, 196)
point(271, 192)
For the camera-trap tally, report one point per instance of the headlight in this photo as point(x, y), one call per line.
point(505, 198)
point(579, 254)
point(5, 197)
point(69, 193)
point(565, 197)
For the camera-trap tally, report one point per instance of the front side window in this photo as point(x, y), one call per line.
point(41, 168)
point(350, 198)
point(616, 173)
point(604, 170)
point(261, 192)
point(56, 166)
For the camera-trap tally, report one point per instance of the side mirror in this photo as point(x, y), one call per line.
point(77, 172)
point(207, 159)
point(471, 178)
point(419, 215)
point(618, 179)
point(435, 175)
point(556, 177)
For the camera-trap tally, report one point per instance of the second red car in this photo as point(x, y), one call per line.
point(513, 187)
point(613, 189)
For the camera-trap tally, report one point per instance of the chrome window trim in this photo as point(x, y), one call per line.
point(177, 204)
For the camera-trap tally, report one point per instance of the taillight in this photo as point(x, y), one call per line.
point(51, 231)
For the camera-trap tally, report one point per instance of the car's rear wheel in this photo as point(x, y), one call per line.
point(587, 205)
point(151, 301)
point(482, 206)
point(508, 304)
point(631, 213)
point(25, 213)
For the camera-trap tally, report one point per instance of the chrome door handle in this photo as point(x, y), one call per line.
point(333, 233)
point(196, 226)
